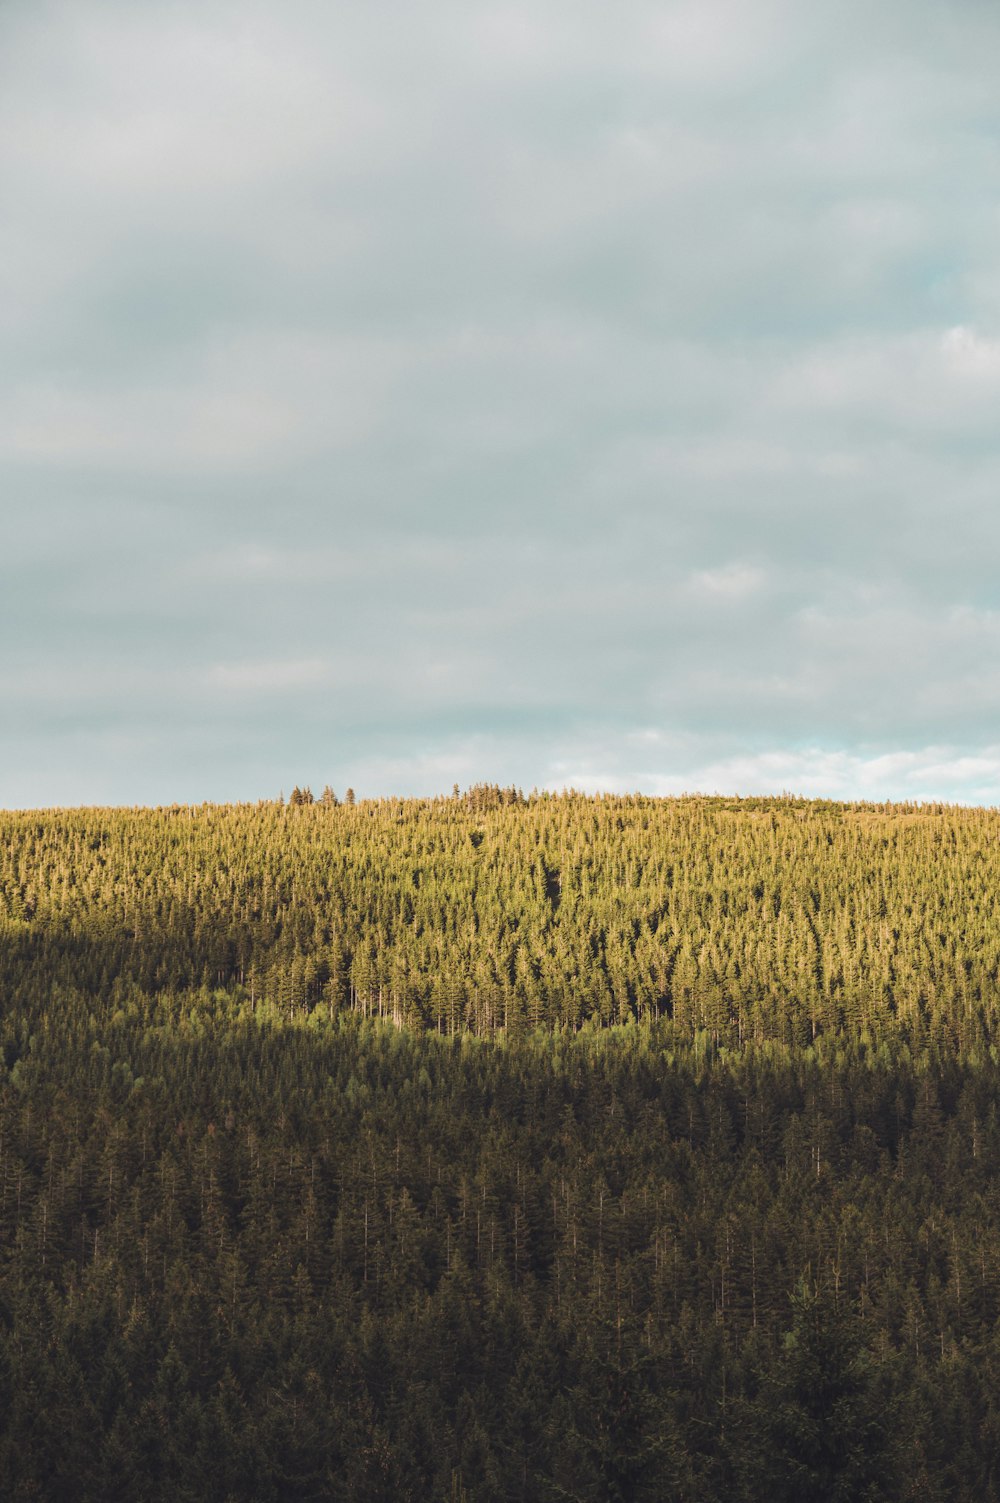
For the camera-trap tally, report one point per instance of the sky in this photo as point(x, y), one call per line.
point(550, 393)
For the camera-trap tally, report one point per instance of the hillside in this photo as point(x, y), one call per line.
point(495, 1148)
point(751, 920)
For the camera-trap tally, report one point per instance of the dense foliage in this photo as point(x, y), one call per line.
point(494, 1148)
point(751, 919)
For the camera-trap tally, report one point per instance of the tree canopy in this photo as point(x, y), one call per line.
point(496, 1147)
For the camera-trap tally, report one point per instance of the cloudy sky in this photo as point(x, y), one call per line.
point(550, 392)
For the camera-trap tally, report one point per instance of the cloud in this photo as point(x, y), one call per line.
point(924, 775)
point(268, 677)
point(734, 581)
point(495, 383)
point(972, 356)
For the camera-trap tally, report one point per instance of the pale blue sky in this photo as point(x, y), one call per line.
point(400, 394)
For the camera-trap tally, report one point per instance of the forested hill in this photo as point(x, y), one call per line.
point(484, 1149)
point(748, 919)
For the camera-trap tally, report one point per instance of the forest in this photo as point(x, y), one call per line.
point(498, 1147)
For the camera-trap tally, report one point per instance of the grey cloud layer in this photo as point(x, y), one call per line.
point(398, 394)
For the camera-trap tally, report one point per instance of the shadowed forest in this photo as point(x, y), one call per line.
point(492, 1147)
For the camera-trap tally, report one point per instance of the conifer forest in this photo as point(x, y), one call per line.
point(494, 1147)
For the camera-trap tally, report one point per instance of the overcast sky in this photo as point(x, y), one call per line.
point(397, 394)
